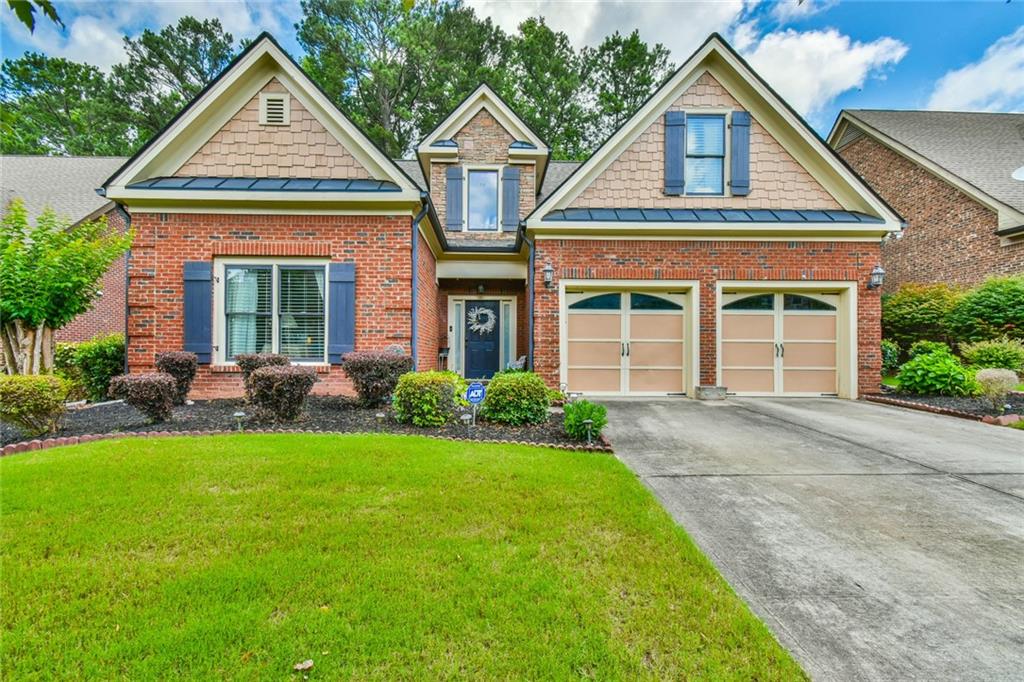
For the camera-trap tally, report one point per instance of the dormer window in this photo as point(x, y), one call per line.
point(275, 108)
point(482, 199)
point(705, 154)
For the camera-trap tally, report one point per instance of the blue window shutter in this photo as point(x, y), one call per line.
point(341, 319)
point(675, 151)
point(739, 143)
point(453, 199)
point(198, 309)
point(510, 199)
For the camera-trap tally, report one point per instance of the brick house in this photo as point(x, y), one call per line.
point(949, 174)
point(67, 184)
point(712, 239)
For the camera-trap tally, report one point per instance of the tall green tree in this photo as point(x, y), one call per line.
point(165, 70)
point(623, 71)
point(51, 105)
point(547, 87)
point(25, 11)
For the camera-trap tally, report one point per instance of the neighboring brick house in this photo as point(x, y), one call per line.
point(949, 175)
point(713, 239)
point(67, 184)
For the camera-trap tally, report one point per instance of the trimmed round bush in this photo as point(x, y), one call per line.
point(1002, 353)
point(250, 362)
point(995, 383)
point(34, 403)
point(425, 398)
point(917, 312)
point(993, 310)
point(182, 366)
point(516, 398)
point(151, 394)
point(279, 392)
point(928, 348)
point(576, 413)
point(890, 356)
point(935, 374)
point(375, 374)
point(96, 363)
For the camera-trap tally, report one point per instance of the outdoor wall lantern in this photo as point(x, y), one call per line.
point(549, 274)
point(877, 277)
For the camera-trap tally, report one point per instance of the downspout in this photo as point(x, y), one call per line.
point(529, 314)
point(127, 261)
point(414, 334)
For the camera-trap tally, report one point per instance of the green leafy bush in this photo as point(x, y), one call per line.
point(935, 373)
point(65, 365)
point(890, 356)
point(279, 392)
point(151, 394)
point(182, 366)
point(1003, 353)
point(425, 398)
point(928, 348)
point(516, 398)
point(33, 402)
point(578, 412)
point(375, 374)
point(250, 362)
point(995, 383)
point(993, 310)
point(916, 312)
point(460, 386)
point(92, 363)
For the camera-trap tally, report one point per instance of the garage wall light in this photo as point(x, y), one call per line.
point(549, 274)
point(877, 277)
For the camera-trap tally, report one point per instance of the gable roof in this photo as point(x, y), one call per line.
point(190, 129)
point(716, 56)
point(981, 149)
point(67, 184)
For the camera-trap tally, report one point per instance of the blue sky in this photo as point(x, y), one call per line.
point(822, 55)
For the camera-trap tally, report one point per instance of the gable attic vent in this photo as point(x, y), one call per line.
point(275, 109)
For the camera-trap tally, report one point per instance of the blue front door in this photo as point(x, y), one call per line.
point(482, 337)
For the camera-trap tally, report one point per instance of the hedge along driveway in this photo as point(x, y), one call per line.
point(374, 556)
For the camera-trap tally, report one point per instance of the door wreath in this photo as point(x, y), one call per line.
point(481, 320)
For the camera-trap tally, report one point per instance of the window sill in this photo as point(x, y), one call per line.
point(232, 368)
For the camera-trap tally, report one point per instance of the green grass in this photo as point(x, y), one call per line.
point(377, 557)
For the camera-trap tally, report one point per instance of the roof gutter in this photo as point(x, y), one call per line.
point(414, 332)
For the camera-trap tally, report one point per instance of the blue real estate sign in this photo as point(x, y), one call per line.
point(475, 393)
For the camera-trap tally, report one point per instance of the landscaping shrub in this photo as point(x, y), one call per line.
point(97, 362)
point(459, 385)
point(182, 366)
point(1002, 353)
point(927, 348)
point(65, 365)
point(916, 312)
point(279, 393)
point(151, 394)
point(425, 398)
point(995, 384)
point(993, 310)
point(250, 362)
point(578, 412)
point(33, 402)
point(935, 373)
point(516, 398)
point(890, 357)
point(375, 374)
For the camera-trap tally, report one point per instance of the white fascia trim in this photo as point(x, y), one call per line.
point(475, 269)
point(1007, 215)
point(299, 86)
point(482, 97)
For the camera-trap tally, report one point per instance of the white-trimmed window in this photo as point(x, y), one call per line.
point(271, 306)
point(705, 154)
point(483, 199)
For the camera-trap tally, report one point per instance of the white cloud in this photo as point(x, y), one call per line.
point(811, 68)
point(794, 10)
point(993, 83)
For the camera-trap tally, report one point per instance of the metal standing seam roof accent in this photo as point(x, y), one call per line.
point(266, 184)
point(706, 215)
point(522, 144)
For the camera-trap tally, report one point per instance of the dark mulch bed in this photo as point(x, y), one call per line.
point(322, 414)
point(975, 406)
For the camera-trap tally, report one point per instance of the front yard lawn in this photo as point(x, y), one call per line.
point(374, 556)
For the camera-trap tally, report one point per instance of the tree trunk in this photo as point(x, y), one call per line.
point(27, 350)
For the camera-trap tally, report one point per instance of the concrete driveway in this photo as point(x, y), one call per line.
point(875, 542)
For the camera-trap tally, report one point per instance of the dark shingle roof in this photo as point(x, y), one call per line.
point(686, 215)
point(556, 174)
point(67, 184)
point(980, 148)
point(413, 170)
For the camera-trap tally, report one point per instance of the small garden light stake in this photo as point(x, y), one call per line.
point(239, 416)
point(589, 423)
point(380, 416)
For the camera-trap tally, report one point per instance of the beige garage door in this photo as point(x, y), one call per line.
point(626, 342)
point(779, 343)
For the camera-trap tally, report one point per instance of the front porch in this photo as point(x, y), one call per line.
point(483, 325)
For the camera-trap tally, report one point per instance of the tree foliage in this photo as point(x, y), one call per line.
point(49, 274)
point(25, 11)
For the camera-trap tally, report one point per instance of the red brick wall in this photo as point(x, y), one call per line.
point(428, 313)
point(107, 313)
point(708, 262)
point(492, 287)
point(378, 245)
point(949, 237)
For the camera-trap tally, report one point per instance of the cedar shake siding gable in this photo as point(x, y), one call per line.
point(244, 147)
point(636, 178)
